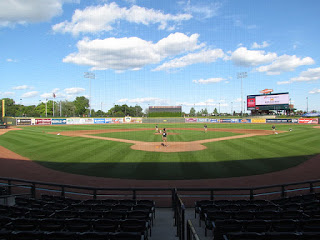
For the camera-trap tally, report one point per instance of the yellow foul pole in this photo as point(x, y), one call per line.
point(3, 109)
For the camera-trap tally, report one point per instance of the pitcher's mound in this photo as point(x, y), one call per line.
point(171, 147)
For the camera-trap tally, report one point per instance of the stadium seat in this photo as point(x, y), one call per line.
point(105, 225)
point(23, 224)
point(285, 225)
point(51, 225)
point(221, 227)
point(259, 226)
point(282, 236)
point(116, 215)
point(126, 236)
point(134, 225)
point(77, 225)
point(27, 235)
point(310, 225)
point(244, 236)
point(60, 236)
point(93, 236)
point(141, 215)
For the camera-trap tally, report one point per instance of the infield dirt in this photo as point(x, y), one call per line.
point(172, 146)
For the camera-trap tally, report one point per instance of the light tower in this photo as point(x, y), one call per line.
point(89, 75)
point(242, 75)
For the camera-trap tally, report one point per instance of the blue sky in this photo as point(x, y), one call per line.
point(167, 52)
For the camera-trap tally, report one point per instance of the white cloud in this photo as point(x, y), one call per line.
point(285, 63)
point(129, 53)
point(95, 19)
point(74, 90)
point(247, 58)
point(209, 80)
point(46, 95)
point(206, 103)
point(147, 100)
point(7, 94)
point(22, 87)
point(258, 46)
point(11, 60)
point(204, 56)
point(177, 43)
point(29, 94)
point(283, 82)
point(314, 91)
point(55, 90)
point(312, 74)
point(28, 11)
point(207, 10)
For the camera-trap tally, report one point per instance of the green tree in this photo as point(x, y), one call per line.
point(192, 112)
point(68, 109)
point(11, 109)
point(81, 105)
point(215, 112)
point(138, 111)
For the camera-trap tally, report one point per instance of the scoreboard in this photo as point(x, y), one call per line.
point(273, 101)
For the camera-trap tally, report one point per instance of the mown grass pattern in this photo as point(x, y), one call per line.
point(94, 157)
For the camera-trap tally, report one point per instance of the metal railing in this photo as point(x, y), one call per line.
point(34, 188)
point(191, 232)
point(179, 215)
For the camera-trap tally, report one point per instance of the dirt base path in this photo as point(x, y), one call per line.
point(171, 146)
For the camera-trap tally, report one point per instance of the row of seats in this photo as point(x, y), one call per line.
point(66, 203)
point(272, 236)
point(301, 202)
point(76, 225)
point(221, 227)
point(38, 235)
point(261, 218)
point(14, 212)
point(55, 217)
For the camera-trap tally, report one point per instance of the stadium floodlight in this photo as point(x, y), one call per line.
point(89, 75)
point(242, 75)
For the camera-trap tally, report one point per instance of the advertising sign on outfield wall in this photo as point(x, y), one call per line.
point(136, 120)
point(245, 121)
point(127, 119)
point(309, 120)
point(225, 120)
point(58, 121)
point(189, 120)
point(42, 121)
point(24, 121)
point(108, 120)
point(200, 120)
point(117, 120)
point(258, 120)
point(99, 120)
point(278, 120)
point(214, 120)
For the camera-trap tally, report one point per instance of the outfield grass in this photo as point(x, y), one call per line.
point(237, 157)
point(173, 135)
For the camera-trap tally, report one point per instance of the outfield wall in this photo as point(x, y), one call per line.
point(87, 121)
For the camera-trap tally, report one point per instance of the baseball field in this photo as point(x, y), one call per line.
point(134, 151)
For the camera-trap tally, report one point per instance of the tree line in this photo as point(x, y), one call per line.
point(77, 108)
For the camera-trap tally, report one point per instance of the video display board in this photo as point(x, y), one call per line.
point(275, 101)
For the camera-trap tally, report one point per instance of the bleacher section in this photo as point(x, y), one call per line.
point(52, 217)
point(291, 218)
